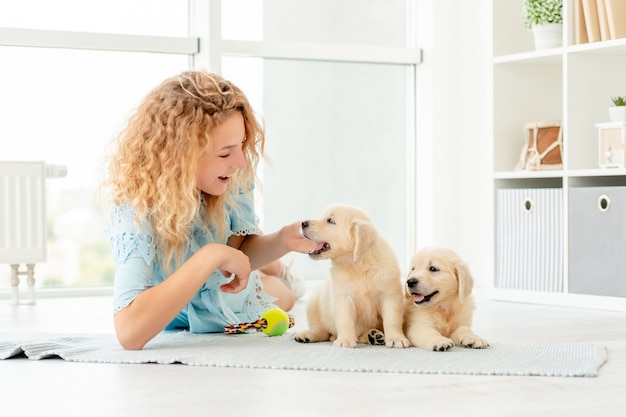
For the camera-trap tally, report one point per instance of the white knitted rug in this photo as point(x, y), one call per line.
point(260, 351)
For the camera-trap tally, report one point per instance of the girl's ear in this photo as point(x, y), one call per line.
point(364, 235)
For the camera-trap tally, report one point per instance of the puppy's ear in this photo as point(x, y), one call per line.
point(464, 278)
point(364, 236)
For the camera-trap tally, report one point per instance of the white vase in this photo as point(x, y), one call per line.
point(549, 35)
point(617, 113)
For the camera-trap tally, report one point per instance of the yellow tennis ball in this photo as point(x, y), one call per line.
point(277, 322)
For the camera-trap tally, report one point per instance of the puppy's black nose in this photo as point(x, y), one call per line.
point(412, 282)
point(305, 224)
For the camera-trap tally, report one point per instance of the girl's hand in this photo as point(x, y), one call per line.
point(233, 262)
point(236, 285)
point(295, 241)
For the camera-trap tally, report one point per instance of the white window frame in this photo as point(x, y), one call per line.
point(97, 41)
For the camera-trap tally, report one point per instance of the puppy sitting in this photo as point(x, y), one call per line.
point(364, 293)
point(439, 304)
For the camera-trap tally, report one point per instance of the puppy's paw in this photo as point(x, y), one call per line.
point(376, 337)
point(473, 341)
point(398, 342)
point(439, 344)
point(311, 336)
point(302, 337)
point(343, 342)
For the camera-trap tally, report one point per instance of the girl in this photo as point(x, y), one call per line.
point(184, 234)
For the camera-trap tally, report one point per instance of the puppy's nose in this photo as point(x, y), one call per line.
point(305, 224)
point(412, 282)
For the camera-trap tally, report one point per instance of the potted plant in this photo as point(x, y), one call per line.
point(617, 112)
point(545, 19)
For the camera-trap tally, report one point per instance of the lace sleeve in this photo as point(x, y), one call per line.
point(134, 253)
point(243, 219)
point(127, 235)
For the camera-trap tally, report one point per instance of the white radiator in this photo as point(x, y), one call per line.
point(23, 218)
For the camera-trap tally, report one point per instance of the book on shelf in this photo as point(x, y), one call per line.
point(603, 20)
point(592, 22)
point(616, 18)
point(580, 28)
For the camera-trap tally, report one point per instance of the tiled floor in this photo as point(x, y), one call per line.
point(53, 387)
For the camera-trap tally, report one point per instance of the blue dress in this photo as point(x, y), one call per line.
point(137, 268)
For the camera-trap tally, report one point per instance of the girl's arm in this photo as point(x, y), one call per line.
point(156, 307)
point(264, 249)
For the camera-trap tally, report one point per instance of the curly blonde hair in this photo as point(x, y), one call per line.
point(156, 160)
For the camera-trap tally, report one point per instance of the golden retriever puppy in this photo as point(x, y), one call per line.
point(364, 294)
point(438, 301)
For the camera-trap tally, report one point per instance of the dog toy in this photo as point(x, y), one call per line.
point(273, 322)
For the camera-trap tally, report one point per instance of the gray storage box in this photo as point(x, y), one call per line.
point(597, 241)
point(529, 239)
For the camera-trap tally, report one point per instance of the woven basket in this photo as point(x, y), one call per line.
point(542, 147)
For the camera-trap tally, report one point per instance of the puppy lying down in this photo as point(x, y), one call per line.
point(438, 301)
point(364, 294)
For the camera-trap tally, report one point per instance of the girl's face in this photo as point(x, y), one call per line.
point(216, 167)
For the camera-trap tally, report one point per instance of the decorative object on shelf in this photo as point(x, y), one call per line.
point(611, 144)
point(545, 19)
point(542, 147)
point(617, 112)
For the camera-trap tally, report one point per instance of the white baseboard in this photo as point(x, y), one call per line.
point(595, 302)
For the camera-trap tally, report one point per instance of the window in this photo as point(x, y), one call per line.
point(64, 103)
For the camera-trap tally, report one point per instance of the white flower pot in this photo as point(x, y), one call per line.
point(617, 113)
point(548, 36)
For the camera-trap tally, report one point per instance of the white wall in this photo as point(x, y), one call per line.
point(457, 61)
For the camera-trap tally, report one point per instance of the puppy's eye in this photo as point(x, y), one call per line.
point(331, 220)
point(412, 268)
point(433, 269)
